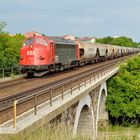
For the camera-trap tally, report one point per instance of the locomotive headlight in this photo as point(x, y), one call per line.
point(31, 46)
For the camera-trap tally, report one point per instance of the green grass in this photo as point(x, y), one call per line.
point(63, 132)
point(60, 132)
point(119, 133)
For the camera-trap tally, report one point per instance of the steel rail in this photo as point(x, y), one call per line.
point(8, 101)
point(14, 82)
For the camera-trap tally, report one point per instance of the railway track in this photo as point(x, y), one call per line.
point(14, 82)
point(35, 96)
point(29, 84)
point(25, 79)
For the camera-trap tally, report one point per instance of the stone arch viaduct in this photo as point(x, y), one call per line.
point(84, 110)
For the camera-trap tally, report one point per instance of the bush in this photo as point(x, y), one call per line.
point(9, 49)
point(123, 101)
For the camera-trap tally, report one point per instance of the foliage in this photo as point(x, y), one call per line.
point(105, 40)
point(9, 49)
point(57, 132)
point(64, 132)
point(2, 26)
point(123, 101)
point(120, 41)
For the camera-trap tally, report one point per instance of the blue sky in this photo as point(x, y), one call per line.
point(97, 18)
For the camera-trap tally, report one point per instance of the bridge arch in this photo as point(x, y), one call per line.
point(101, 114)
point(84, 118)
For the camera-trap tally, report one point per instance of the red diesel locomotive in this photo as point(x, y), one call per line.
point(41, 54)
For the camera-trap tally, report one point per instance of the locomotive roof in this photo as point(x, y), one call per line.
point(59, 40)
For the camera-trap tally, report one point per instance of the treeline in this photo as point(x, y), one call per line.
point(120, 41)
point(123, 101)
point(9, 47)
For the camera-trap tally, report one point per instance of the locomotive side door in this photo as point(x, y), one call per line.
point(52, 52)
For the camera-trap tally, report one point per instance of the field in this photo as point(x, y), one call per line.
point(63, 132)
point(119, 133)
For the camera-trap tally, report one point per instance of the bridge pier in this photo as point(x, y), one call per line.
point(91, 113)
point(101, 113)
point(84, 119)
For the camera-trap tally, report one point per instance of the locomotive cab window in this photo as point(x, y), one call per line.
point(28, 42)
point(41, 41)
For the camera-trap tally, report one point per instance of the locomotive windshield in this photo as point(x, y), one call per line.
point(28, 42)
point(41, 41)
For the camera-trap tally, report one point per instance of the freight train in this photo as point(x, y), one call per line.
point(42, 54)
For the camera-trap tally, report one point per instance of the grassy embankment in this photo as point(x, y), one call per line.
point(62, 132)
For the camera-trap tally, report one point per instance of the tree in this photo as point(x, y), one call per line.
point(9, 49)
point(106, 40)
point(123, 101)
point(2, 26)
point(120, 41)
